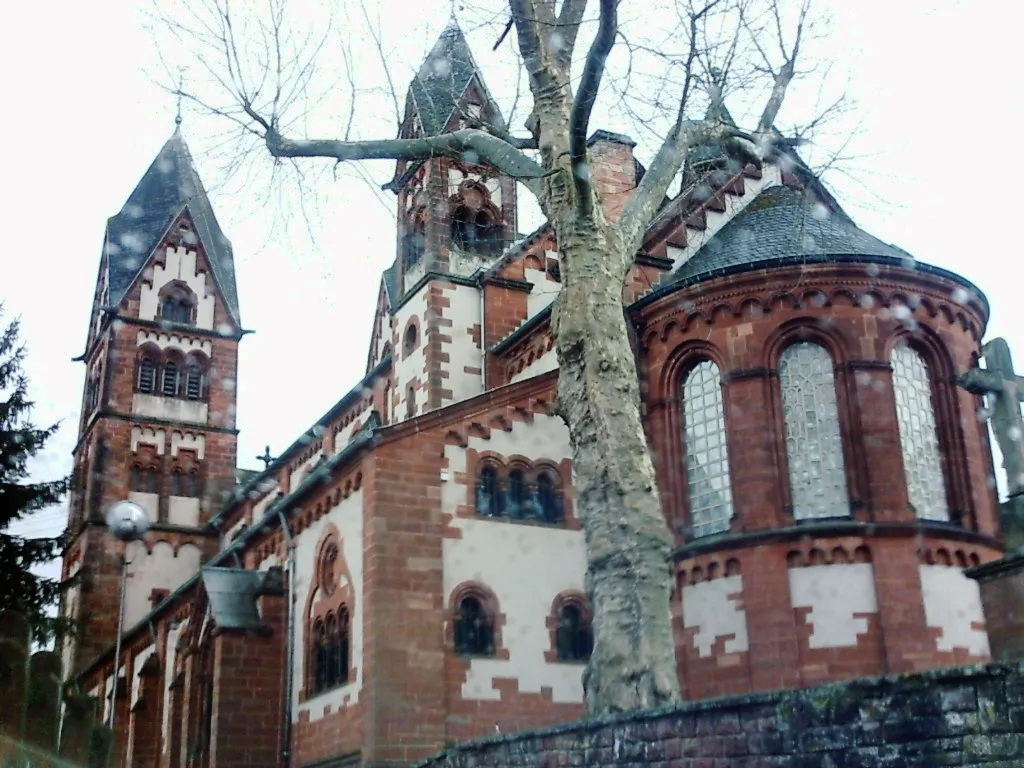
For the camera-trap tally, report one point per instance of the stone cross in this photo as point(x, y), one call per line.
point(266, 458)
point(999, 379)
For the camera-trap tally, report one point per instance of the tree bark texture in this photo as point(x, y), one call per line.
point(628, 543)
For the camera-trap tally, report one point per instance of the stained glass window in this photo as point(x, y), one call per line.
point(707, 460)
point(814, 447)
point(919, 440)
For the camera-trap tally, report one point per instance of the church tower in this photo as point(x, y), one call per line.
point(158, 409)
point(455, 214)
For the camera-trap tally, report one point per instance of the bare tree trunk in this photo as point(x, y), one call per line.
point(628, 544)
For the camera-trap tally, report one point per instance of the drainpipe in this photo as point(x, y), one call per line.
point(483, 336)
point(289, 672)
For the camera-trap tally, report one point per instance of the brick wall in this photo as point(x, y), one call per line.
point(1002, 594)
point(970, 716)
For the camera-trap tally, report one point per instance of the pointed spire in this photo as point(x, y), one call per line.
point(443, 78)
point(169, 186)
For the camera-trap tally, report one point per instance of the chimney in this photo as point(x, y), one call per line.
point(615, 171)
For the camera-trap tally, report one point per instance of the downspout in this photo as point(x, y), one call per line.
point(483, 336)
point(289, 672)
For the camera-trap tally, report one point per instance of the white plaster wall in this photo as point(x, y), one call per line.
point(146, 436)
point(180, 264)
point(260, 508)
point(462, 350)
point(137, 663)
point(952, 603)
point(410, 367)
point(182, 510)
point(170, 340)
point(71, 608)
point(715, 609)
point(160, 569)
point(171, 408)
point(149, 502)
point(834, 593)
point(525, 566)
point(190, 441)
point(345, 434)
point(546, 362)
point(544, 290)
point(770, 177)
point(299, 473)
point(170, 659)
point(229, 534)
point(347, 517)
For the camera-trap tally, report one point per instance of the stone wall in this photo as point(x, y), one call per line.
point(970, 716)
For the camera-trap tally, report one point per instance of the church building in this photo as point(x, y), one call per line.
point(409, 573)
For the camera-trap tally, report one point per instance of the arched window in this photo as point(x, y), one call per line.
point(169, 380)
point(414, 244)
point(149, 480)
point(549, 500)
point(490, 496)
point(411, 339)
point(176, 306)
point(192, 484)
point(195, 380)
point(476, 231)
point(517, 494)
point(474, 629)
point(341, 646)
point(919, 439)
point(574, 637)
point(410, 402)
point(320, 654)
point(814, 448)
point(177, 482)
point(147, 375)
point(136, 479)
point(709, 486)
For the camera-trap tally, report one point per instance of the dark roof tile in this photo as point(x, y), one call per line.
point(169, 186)
point(783, 223)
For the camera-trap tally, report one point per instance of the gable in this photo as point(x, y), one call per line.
point(179, 260)
point(169, 187)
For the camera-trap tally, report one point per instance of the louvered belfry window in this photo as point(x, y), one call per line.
point(147, 376)
point(194, 382)
point(814, 447)
point(169, 384)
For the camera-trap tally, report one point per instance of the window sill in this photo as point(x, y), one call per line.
point(308, 698)
point(521, 521)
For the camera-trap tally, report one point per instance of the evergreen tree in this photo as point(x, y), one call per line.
point(20, 589)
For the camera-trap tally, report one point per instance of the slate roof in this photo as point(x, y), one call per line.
point(169, 185)
point(442, 80)
point(783, 223)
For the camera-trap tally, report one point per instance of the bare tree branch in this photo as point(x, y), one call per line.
point(785, 74)
point(583, 106)
point(570, 18)
point(467, 142)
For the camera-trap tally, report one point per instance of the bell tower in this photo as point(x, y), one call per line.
point(158, 408)
point(455, 214)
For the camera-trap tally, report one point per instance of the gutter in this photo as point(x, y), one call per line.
point(240, 493)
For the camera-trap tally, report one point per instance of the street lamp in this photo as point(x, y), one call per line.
point(128, 522)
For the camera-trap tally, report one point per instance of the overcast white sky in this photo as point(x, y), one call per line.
point(940, 104)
